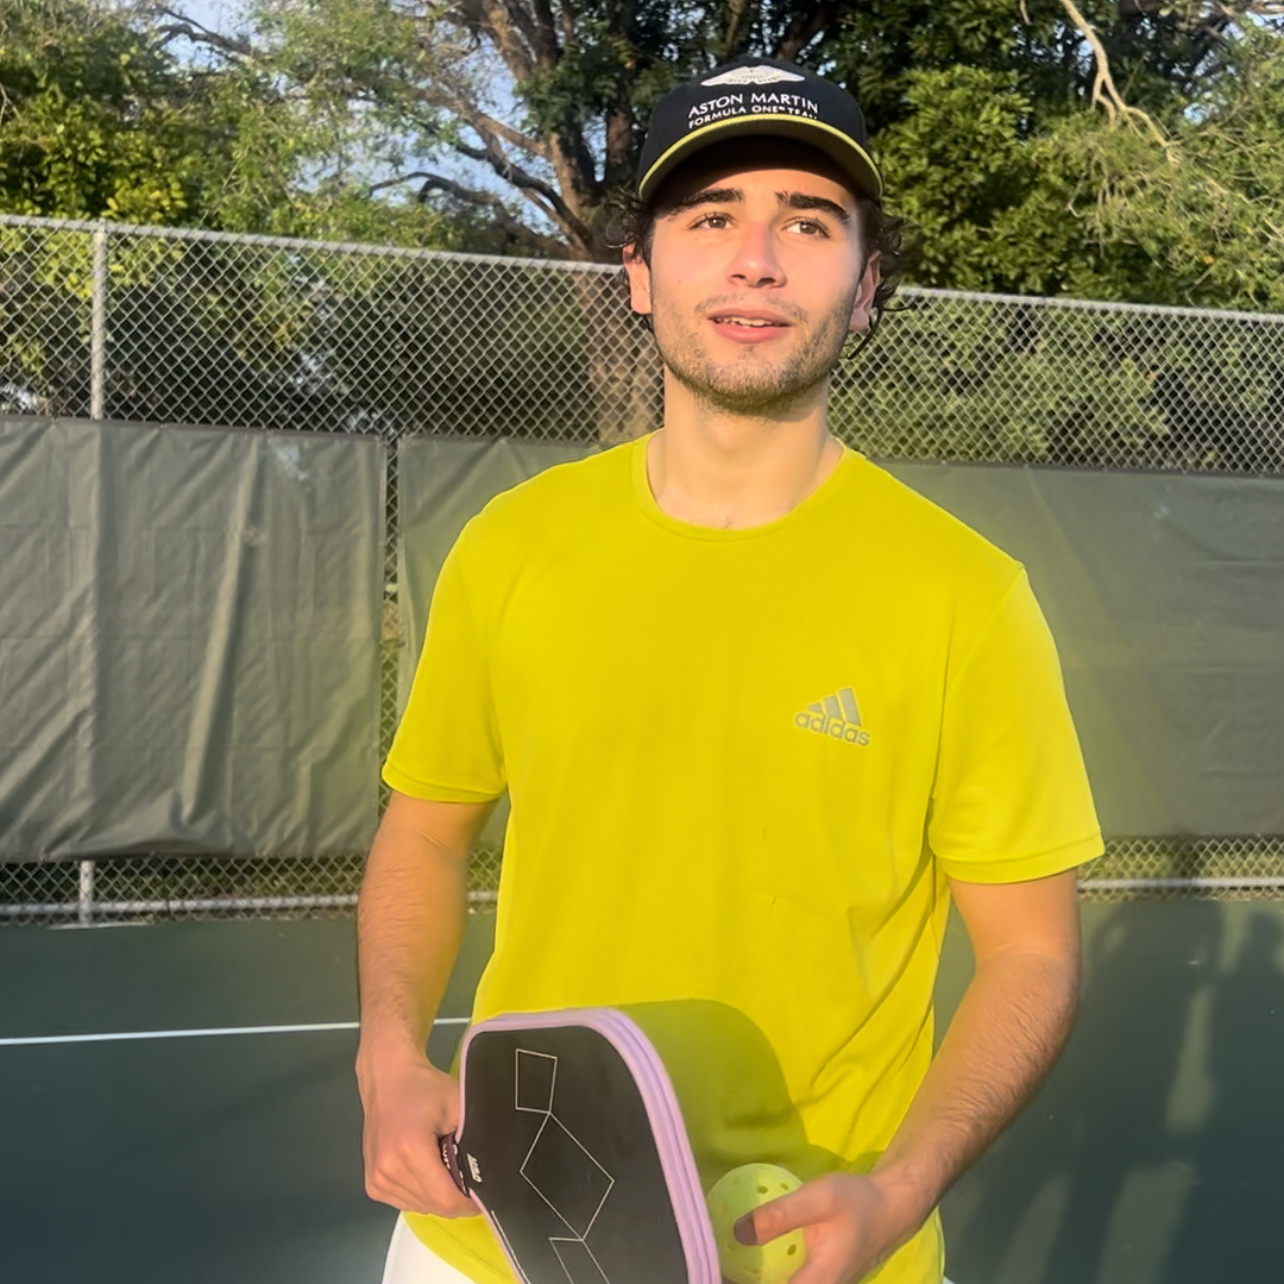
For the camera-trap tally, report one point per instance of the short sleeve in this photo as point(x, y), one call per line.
point(447, 746)
point(1011, 800)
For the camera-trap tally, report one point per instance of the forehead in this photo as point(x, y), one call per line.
point(749, 163)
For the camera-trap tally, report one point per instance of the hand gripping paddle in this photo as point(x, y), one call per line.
point(571, 1143)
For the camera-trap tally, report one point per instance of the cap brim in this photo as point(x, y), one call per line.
point(847, 154)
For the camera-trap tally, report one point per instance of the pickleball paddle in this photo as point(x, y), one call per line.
point(571, 1143)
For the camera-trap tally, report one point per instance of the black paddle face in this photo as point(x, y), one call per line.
point(558, 1148)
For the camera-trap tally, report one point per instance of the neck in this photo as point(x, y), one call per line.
point(710, 466)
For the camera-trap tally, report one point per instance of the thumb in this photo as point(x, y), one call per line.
point(778, 1217)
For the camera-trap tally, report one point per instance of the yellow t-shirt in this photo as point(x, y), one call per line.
point(742, 764)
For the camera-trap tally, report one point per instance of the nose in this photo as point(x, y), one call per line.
point(755, 262)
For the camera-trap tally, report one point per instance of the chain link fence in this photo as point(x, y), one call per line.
point(150, 887)
point(176, 326)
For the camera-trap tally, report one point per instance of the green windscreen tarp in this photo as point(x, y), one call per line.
point(189, 639)
point(1165, 593)
point(1166, 597)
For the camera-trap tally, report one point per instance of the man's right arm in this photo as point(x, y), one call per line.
point(410, 921)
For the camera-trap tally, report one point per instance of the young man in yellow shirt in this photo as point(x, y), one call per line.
point(761, 713)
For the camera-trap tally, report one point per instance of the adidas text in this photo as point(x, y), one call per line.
point(835, 728)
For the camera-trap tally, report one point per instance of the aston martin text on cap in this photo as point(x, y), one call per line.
point(757, 96)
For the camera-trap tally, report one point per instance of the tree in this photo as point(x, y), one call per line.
point(513, 125)
point(1191, 202)
point(99, 118)
point(94, 118)
point(1035, 163)
point(530, 113)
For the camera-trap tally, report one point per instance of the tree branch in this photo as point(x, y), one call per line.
point(545, 34)
point(499, 212)
point(737, 13)
point(512, 29)
point(372, 188)
point(486, 125)
point(1107, 96)
point(547, 197)
point(199, 34)
point(492, 19)
point(802, 32)
point(519, 18)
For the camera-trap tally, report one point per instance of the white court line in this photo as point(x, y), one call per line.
point(125, 1036)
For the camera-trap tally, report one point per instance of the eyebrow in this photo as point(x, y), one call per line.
point(790, 200)
point(802, 201)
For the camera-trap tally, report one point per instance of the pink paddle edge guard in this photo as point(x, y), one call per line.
point(663, 1112)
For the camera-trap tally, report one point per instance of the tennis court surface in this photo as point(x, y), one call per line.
point(227, 1158)
point(1150, 1157)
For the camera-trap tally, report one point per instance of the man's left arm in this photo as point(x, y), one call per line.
point(1008, 1030)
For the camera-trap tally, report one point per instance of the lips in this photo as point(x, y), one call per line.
point(750, 320)
point(748, 326)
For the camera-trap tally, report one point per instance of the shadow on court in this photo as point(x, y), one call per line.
point(1150, 1156)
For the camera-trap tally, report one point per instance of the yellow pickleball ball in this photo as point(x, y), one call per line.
point(741, 1190)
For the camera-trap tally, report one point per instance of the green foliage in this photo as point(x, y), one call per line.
point(1198, 221)
point(369, 120)
point(94, 120)
point(968, 181)
point(100, 119)
point(955, 378)
point(1020, 185)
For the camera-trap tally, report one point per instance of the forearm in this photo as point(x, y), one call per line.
point(1008, 1031)
point(410, 921)
point(1006, 1034)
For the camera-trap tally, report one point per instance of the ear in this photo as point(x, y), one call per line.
point(863, 303)
point(639, 279)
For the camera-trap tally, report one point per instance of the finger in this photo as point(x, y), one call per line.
point(448, 1199)
point(414, 1179)
point(826, 1268)
point(413, 1196)
point(834, 1259)
point(810, 1203)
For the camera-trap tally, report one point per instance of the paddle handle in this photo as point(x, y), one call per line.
point(450, 1160)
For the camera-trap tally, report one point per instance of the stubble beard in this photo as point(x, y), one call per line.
point(751, 383)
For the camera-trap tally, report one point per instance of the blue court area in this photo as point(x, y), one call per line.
point(1152, 1156)
point(209, 1158)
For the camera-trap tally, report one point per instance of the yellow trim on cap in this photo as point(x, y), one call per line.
point(749, 118)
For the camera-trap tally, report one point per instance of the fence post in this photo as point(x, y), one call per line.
point(97, 410)
point(85, 900)
point(98, 328)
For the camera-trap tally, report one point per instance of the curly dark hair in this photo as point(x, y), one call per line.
point(633, 223)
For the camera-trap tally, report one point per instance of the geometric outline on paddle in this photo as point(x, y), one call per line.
point(535, 1093)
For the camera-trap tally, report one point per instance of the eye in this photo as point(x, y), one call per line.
point(809, 227)
point(716, 220)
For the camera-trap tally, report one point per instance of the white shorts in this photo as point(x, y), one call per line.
point(411, 1262)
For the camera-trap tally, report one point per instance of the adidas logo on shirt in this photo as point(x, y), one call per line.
point(836, 716)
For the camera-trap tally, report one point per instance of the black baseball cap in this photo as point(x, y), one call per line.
point(757, 96)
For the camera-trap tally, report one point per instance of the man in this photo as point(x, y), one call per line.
point(760, 712)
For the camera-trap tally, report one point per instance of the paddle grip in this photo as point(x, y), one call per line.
point(450, 1158)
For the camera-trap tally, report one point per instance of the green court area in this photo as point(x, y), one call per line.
point(226, 1152)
